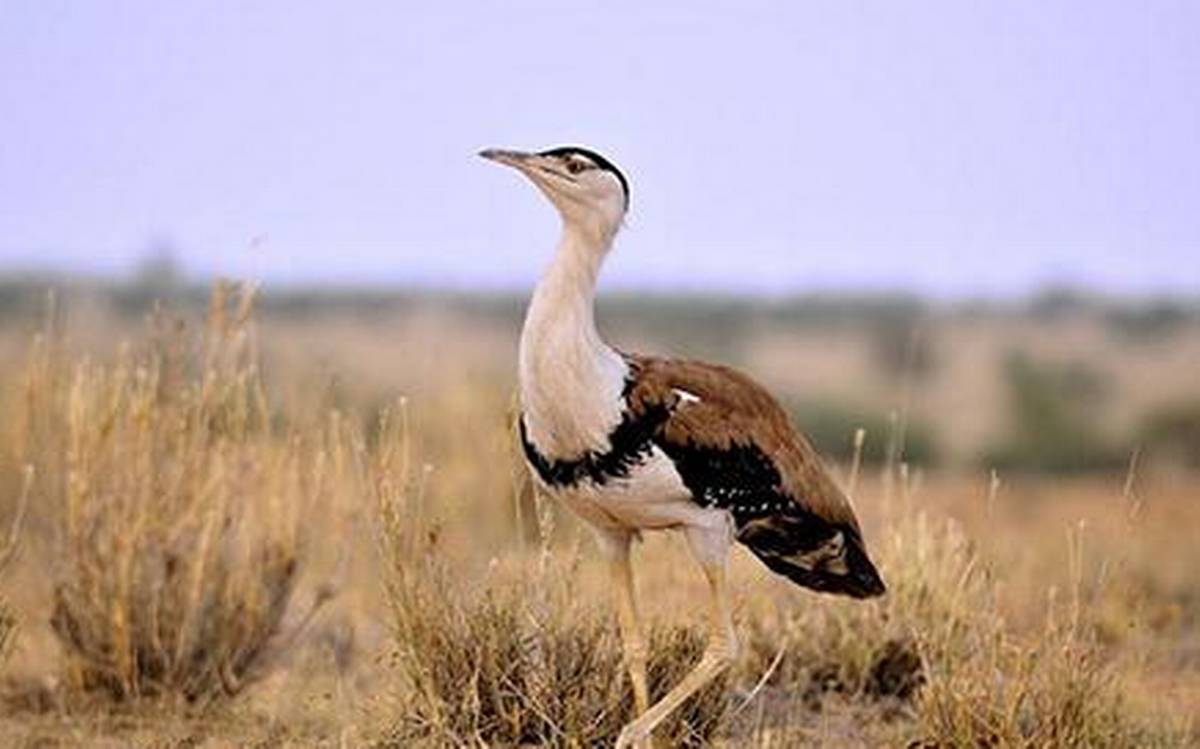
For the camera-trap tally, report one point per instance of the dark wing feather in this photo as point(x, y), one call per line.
point(735, 448)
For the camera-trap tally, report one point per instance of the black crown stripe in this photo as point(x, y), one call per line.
point(597, 159)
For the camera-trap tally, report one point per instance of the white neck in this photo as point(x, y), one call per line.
point(570, 380)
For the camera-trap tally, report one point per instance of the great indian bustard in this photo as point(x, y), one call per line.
point(633, 443)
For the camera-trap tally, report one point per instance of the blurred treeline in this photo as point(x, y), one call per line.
point(1061, 382)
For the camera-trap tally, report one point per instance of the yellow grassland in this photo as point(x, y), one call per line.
point(283, 533)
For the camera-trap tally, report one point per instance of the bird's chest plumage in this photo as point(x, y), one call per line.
point(571, 389)
point(598, 458)
point(631, 483)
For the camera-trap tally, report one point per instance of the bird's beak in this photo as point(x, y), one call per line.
point(517, 159)
point(540, 169)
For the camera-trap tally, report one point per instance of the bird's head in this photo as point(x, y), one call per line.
point(589, 190)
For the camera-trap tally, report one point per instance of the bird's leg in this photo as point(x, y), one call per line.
point(722, 644)
point(617, 548)
point(631, 630)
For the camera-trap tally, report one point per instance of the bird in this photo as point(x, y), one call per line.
point(633, 442)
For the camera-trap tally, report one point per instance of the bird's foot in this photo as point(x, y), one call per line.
point(633, 736)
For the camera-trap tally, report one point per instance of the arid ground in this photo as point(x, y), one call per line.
point(301, 520)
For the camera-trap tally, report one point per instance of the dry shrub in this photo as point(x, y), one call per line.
point(516, 658)
point(1054, 686)
point(174, 507)
point(491, 667)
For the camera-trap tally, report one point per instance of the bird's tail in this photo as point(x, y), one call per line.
point(827, 557)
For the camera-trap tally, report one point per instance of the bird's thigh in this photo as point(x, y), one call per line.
point(613, 543)
point(709, 537)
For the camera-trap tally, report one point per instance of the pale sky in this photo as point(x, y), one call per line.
point(947, 147)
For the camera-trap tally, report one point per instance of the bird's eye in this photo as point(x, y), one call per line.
point(575, 167)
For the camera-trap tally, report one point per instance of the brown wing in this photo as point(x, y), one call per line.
point(731, 409)
point(735, 448)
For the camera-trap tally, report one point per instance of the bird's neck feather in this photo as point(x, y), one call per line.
point(570, 379)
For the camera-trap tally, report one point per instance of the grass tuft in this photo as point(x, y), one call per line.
point(491, 667)
point(175, 517)
point(519, 659)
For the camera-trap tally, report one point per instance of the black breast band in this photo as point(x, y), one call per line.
point(630, 442)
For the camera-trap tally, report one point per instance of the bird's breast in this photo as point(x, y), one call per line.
point(638, 489)
point(571, 395)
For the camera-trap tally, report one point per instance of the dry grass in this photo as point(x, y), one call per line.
point(186, 515)
point(517, 658)
point(9, 545)
point(174, 508)
point(522, 663)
